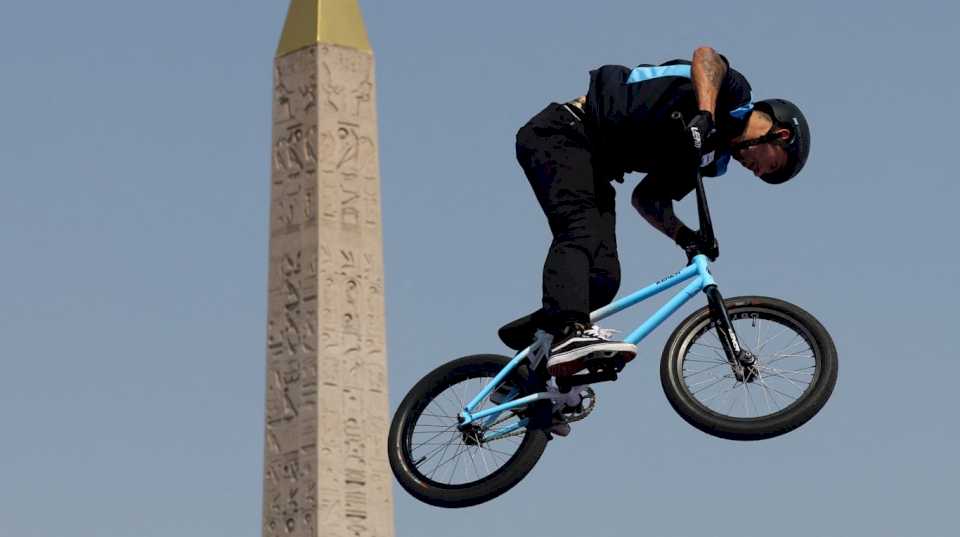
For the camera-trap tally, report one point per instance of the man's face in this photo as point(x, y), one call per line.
point(762, 159)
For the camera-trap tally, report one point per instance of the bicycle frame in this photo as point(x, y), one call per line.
point(699, 271)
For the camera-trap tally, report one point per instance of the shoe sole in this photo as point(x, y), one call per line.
point(561, 429)
point(568, 365)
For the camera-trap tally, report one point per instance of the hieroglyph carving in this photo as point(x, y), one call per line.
point(326, 417)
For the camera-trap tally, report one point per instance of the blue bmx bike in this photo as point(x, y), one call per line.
point(744, 368)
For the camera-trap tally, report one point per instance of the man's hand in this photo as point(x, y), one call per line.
point(693, 243)
point(701, 135)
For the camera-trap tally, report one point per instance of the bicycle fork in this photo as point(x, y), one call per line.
point(742, 361)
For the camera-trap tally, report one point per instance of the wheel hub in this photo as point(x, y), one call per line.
point(472, 435)
point(747, 368)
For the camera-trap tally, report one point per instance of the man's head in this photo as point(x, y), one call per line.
point(776, 141)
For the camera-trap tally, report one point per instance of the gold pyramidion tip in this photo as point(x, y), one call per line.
point(338, 22)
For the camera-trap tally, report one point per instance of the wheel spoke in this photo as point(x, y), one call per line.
point(448, 429)
point(473, 463)
point(441, 446)
point(454, 399)
point(763, 332)
point(716, 350)
point(442, 450)
point(733, 400)
point(759, 329)
point(453, 473)
point(792, 383)
point(734, 387)
point(705, 370)
point(793, 342)
point(775, 336)
point(788, 397)
point(483, 457)
point(463, 400)
point(444, 462)
point(437, 404)
point(791, 372)
point(748, 398)
point(714, 361)
point(438, 416)
point(708, 346)
point(763, 390)
point(715, 383)
point(490, 449)
point(784, 357)
point(779, 355)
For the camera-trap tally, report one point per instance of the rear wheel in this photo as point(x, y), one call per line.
point(794, 375)
point(441, 465)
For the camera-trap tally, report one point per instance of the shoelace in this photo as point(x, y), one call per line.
point(602, 333)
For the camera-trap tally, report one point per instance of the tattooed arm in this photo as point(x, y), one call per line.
point(707, 72)
point(657, 209)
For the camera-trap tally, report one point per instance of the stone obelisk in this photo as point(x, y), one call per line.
point(325, 467)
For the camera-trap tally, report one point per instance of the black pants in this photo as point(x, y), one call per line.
point(582, 270)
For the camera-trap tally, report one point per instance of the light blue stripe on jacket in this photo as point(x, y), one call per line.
point(646, 73)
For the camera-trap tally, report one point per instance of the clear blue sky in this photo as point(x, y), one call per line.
point(134, 165)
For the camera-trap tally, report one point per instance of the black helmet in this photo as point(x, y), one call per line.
point(786, 115)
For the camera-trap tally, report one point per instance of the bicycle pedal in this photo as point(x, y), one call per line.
point(616, 363)
point(566, 383)
point(606, 360)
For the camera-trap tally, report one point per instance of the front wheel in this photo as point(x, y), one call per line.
point(440, 464)
point(794, 375)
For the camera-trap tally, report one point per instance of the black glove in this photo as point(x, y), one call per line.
point(694, 243)
point(701, 135)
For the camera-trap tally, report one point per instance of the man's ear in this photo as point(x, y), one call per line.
point(784, 134)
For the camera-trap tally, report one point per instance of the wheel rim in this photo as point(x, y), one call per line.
point(444, 456)
point(788, 367)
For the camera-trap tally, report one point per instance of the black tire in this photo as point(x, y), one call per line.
point(513, 469)
point(811, 396)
